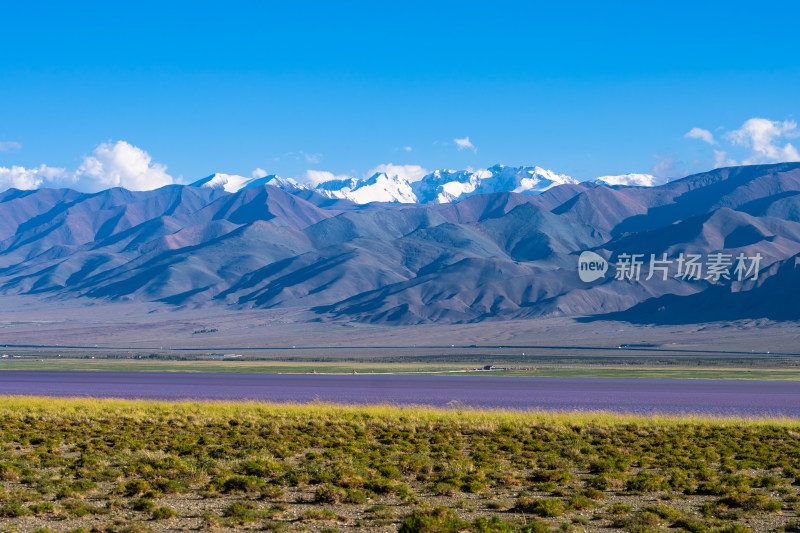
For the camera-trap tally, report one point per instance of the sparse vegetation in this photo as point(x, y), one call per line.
point(139, 466)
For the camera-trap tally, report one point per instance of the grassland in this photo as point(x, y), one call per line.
point(103, 465)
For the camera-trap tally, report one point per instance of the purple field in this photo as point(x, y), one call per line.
point(640, 396)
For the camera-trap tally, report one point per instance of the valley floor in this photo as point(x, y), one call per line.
point(84, 325)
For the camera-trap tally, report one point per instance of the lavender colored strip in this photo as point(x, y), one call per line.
point(640, 396)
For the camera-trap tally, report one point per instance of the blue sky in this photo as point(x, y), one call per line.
point(585, 89)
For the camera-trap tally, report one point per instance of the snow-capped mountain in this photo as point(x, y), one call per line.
point(631, 180)
point(287, 184)
point(440, 186)
point(235, 183)
point(437, 187)
point(226, 182)
point(381, 187)
point(444, 186)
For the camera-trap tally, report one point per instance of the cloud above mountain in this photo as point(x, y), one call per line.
point(635, 180)
point(757, 141)
point(465, 144)
point(315, 177)
point(118, 164)
point(700, 133)
point(121, 165)
point(765, 139)
point(410, 173)
point(31, 178)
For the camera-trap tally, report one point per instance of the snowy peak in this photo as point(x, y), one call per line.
point(380, 187)
point(235, 183)
point(437, 187)
point(226, 182)
point(528, 180)
point(287, 184)
point(445, 186)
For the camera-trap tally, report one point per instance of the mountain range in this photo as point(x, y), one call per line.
point(451, 247)
point(438, 187)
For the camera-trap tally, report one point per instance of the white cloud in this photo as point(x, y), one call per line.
point(10, 146)
point(121, 165)
point(757, 141)
point(409, 173)
point(259, 173)
point(111, 165)
point(315, 177)
point(721, 159)
point(407, 148)
point(33, 178)
point(638, 180)
point(465, 144)
point(700, 133)
point(666, 167)
point(302, 156)
point(764, 138)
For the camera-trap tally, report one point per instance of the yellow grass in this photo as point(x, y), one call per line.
point(195, 412)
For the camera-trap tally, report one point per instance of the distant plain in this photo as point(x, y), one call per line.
point(146, 337)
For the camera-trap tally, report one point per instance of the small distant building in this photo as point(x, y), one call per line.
point(489, 367)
